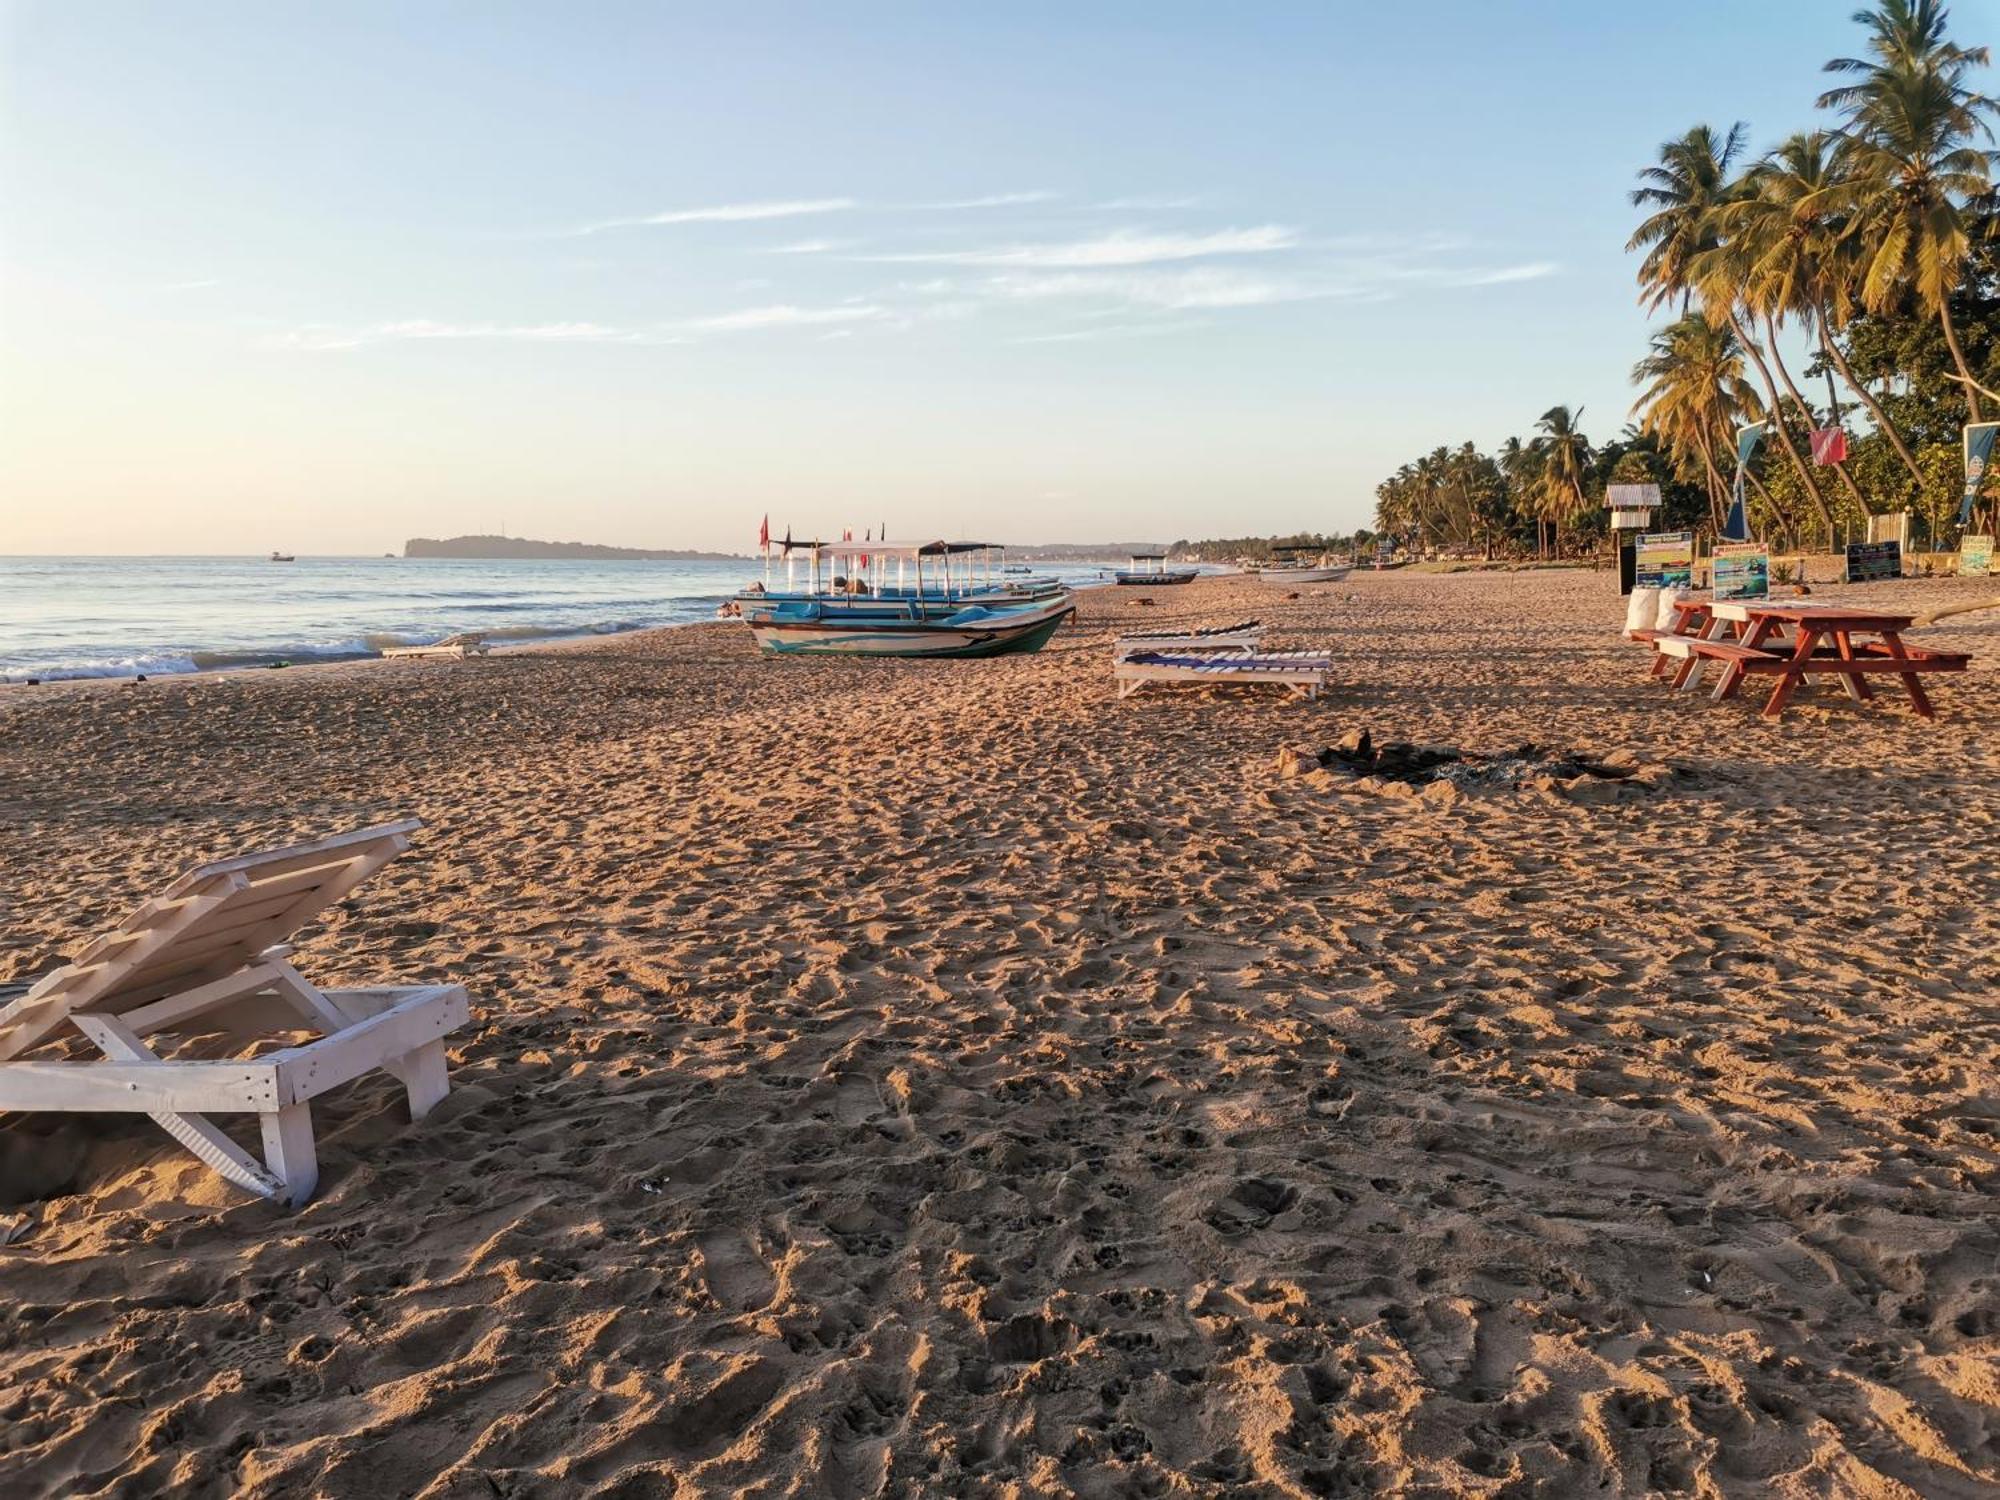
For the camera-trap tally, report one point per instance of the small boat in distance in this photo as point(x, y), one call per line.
point(1150, 568)
point(283, 557)
point(1286, 568)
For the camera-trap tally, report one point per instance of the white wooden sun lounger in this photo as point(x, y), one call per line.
point(460, 646)
point(204, 956)
point(1243, 636)
point(1301, 673)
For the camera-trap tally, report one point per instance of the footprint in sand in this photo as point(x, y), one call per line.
point(735, 1274)
point(856, 1100)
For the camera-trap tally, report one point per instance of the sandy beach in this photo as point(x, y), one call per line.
point(916, 1078)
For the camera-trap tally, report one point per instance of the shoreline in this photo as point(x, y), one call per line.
point(496, 649)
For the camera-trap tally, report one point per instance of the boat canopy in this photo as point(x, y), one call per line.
point(1149, 557)
point(895, 550)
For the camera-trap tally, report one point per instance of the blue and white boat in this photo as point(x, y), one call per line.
point(933, 579)
point(852, 607)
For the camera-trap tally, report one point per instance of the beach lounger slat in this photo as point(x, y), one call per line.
point(208, 955)
point(1300, 673)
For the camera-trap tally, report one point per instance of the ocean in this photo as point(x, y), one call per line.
point(120, 616)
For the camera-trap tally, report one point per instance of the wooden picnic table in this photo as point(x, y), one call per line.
point(1849, 660)
point(1749, 637)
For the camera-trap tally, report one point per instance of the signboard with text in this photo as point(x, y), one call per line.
point(1975, 556)
point(1742, 570)
point(1665, 560)
point(1871, 562)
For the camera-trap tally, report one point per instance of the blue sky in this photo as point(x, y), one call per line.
point(326, 277)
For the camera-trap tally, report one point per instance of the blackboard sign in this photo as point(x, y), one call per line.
point(1870, 562)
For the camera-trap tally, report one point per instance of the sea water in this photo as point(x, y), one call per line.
point(120, 616)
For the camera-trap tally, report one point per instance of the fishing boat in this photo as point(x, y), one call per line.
point(851, 607)
point(283, 557)
point(900, 580)
point(1150, 568)
point(809, 627)
point(1288, 569)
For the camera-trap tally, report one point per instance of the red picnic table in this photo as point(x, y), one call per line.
point(1823, 642)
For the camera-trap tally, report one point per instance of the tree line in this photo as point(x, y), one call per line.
point(1872, 238)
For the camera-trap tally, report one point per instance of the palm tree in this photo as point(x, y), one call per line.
point(1907, 144)
point(1521, 464)
point(1686, 252)
point(1803, 256)
point(1682, 189)
point(1565, 456)
point(1694, 395)
point(1785, 222)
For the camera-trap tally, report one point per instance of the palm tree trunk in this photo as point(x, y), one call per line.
point(1791, 385)
point(1958, 358)
point(1778, 421)
point(1882, 423)
point(1715, 484)
point(1790, 532)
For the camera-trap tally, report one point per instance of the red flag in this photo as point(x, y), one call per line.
point(764, 533)
point(1829, 446)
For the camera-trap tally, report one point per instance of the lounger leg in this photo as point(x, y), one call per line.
point(288, 1151)
point(196, 1132)
point(425, 1077)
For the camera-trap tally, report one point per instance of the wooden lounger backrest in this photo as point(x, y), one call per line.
point(209, 923)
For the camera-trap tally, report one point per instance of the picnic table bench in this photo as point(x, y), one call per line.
point(1748, 637)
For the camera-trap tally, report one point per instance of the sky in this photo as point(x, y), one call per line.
point(325, 277)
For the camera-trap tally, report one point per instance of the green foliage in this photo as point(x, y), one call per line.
point(1877, 236)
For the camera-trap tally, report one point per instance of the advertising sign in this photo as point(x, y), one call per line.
point(1666, 560)
point(1742, 570)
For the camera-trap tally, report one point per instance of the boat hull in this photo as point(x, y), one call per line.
point(1132, 580)
point(1303, 575)
point(895, 604)
point(999, 634)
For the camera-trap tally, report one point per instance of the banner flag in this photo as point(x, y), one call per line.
point(1737, 527)
point(1829, 446)
point(1978, 451)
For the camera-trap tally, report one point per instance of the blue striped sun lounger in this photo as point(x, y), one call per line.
point(1301, 673)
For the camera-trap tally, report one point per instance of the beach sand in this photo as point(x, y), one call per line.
point(905, 1078)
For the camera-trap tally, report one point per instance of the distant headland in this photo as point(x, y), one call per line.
point(520, 546)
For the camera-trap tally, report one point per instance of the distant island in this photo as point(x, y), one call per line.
point(520, 546)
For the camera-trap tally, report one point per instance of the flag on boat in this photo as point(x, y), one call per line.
point(1978, 451)
point(1829, 446)
point(1737, 527)
point(764, 533)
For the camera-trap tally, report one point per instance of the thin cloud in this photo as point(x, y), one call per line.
point(1533, 270)
point(1146, 204)
point(1204, 287)
point(991, 200)
point(1109, 331)
point(320, 337)
point(728, 213)
point(1124, 247)
point(811, 247)
point(193, 286)
point(784, 315)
